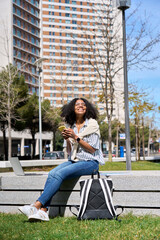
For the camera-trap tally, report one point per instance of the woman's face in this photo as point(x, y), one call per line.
point(80, 108)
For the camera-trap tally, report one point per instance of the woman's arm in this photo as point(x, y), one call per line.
point(68, 146)
point(69, 133)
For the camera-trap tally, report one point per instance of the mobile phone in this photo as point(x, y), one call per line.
point(61, 128)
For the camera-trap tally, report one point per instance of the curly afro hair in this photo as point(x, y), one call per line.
point(69, 114)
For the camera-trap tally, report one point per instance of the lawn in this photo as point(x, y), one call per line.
point(109, 166)
point(115, 166)
point(139, 165)
point(17, 227)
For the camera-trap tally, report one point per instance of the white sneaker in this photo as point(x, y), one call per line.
point(28, 210)
point(39, 216)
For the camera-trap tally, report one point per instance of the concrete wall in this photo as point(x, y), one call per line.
point(6, 52)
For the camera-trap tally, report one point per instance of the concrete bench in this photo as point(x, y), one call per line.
point(137, 191)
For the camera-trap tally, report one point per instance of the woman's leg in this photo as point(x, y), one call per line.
point(60, 173)
point(38, 204)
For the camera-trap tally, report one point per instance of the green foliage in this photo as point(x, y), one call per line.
point(139, 103)
point(58, 141)
point(30, 115)
point(16, 227)
point(13, 91)
point(103, 126)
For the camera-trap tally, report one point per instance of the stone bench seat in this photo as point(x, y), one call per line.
point(137, 191)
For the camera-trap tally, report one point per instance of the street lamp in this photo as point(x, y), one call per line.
point(123, 5)
point(38, 64)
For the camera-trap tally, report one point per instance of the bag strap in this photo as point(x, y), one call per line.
point(119, 206)
point(74, 206)
point(84, 197)
point(108, 197)
point(98, 175)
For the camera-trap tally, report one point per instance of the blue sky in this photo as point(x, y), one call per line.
point(149, 79)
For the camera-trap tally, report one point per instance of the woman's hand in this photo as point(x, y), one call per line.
point(69, 133)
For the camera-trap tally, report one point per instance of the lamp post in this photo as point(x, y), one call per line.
point(38, 64)
point(123, 5)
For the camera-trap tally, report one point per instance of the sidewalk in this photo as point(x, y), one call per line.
point(36, 163)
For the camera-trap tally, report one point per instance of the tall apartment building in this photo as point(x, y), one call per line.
point(20, 45)
point(20, 37)
point(67, 28)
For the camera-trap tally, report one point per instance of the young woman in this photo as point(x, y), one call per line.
point(84, 154)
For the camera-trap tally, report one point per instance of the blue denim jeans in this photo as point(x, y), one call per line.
point(64, 171)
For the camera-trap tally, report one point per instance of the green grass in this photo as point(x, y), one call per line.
point(17, 227)
point(139, 165)
point(110, 166)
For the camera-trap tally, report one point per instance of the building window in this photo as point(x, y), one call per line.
point(18, 2)
point(18, 22)
point(32, 40)
point(18, 33)
point(33, 80)
point(33, 90)
point(18, 12)
point(32, 20)
point(67, 21)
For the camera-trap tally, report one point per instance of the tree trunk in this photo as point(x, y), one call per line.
point(143, 146)
point(33, 145)
point(138, 142)
point(149, 140)
point(102, 141)
point(117, 137)
point(9, 137)
point(54, 140)
point(110, 140)
point(136, 139)
point(4, 143)
point(9, 124)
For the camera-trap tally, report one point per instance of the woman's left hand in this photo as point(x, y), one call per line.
point(69, 133)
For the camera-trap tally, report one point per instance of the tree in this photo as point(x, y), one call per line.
point(101, 49)
point(139, 107)
point(30, 115)
point(53, 118)
point(13, 94)
point(103, 129)
point(102, 52)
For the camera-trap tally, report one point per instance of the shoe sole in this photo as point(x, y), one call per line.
point(37, 220)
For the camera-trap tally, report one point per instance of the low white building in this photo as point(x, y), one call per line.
point(22, 143)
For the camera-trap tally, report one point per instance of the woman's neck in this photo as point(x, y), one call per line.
point(79, 121)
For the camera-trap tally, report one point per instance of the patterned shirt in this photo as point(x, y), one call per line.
point(94, 141)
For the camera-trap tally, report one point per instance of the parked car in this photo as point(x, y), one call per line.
point(54, 155)
point(105, 153)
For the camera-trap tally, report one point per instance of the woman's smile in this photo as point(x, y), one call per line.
point(80, 107)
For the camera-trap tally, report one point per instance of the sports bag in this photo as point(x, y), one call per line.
point(96, 199)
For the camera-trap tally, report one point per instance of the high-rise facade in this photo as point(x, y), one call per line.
point(20, 37)
point(72, 43)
